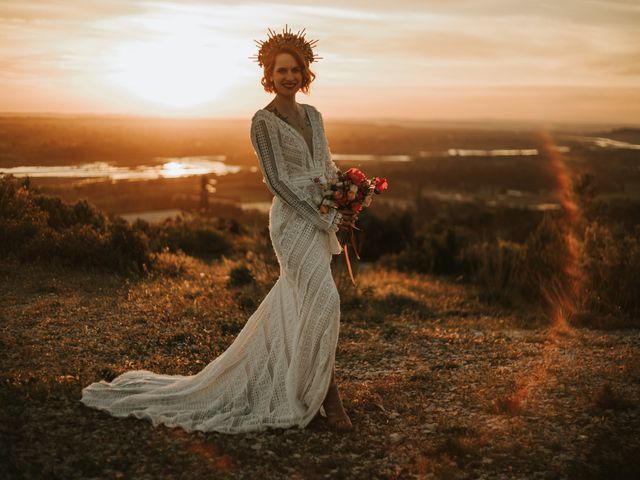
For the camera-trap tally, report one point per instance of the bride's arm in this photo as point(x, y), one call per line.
point(330, 168)
point(264, 138)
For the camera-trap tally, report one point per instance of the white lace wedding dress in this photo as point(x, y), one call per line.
point(277, 371)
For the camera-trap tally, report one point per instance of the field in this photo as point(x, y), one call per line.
point(437, 384)
point(494, 332)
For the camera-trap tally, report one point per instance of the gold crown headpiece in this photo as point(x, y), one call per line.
point(285, 39)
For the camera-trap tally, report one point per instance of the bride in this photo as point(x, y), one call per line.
point(279, 372)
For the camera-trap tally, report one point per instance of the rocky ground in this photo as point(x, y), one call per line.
point(437, 384)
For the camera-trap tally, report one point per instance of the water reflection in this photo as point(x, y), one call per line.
point(263, 207)
point(153, 216)
point(604, 142)
point(610, 143)
point(496, 152)
point(369, 158)
point(171, 167)
point(522, 152)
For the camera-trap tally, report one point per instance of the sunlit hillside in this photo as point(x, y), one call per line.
point(495, 315)
point(438, 381)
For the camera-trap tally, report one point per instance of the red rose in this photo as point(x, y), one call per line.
point(356, 176)
point(356, 207)
point(381, 184)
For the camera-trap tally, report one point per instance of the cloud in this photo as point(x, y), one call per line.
point(69, 11)
point(626, 64)
point(404, 43)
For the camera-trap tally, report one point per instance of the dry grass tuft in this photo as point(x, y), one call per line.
point(606, 398)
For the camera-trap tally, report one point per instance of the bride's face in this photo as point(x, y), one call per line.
point(287, 75)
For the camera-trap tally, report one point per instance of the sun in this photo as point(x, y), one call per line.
point(182, 69)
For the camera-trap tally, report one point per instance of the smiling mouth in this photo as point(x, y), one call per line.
point(289, 85)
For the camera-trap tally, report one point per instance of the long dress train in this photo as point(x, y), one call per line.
point(277, 371)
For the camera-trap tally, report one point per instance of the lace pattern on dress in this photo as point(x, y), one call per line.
point(277, 177)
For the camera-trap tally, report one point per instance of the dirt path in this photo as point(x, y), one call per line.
point(437, 384)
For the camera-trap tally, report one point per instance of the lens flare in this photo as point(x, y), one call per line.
point(565, 299)
point(568, 301)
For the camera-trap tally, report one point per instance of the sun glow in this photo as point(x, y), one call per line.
point(184, 66)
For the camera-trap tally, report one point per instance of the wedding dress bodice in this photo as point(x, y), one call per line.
point(289, 167)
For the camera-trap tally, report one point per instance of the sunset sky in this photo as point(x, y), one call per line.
point(569, 60)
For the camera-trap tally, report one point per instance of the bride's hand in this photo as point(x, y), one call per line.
point(349, 218)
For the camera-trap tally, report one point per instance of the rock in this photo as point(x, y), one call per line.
point(429, 427)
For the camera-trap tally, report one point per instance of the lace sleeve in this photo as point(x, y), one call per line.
point(265, 142)
point(330, 168)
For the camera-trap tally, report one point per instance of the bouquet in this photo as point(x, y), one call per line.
point(350, 190)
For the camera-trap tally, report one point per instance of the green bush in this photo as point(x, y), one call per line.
point(535, 272)
point(62, 215)
point(611, 266)
point(381, 236)
point(499, 268)
point(197, 236)
point(37, 227)
point(239, 276)
point(128, 247)
point(600, 275)
point(548, 263)
point(436, 249)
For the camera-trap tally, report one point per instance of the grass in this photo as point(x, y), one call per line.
point(437, 383)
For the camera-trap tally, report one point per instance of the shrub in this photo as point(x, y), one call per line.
point(239, 276)
point(20, 218)
point(62, 215)
point(128, 247)
point(196, 236)
point(37, 227)
point(537, 272)
point(611, 265)
point(499, 268)
point(436, 250)
point(547, 263)
point(383, 235)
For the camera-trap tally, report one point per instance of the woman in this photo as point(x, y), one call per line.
point(292, 153)
point(279, 371)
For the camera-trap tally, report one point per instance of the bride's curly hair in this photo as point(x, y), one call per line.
point(307, 75)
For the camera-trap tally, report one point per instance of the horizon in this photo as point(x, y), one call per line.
point(495, 122)
point(416, 60)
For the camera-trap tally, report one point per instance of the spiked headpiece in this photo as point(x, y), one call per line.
point(285, 39)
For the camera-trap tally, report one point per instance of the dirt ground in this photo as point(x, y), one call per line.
point(437, 384)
